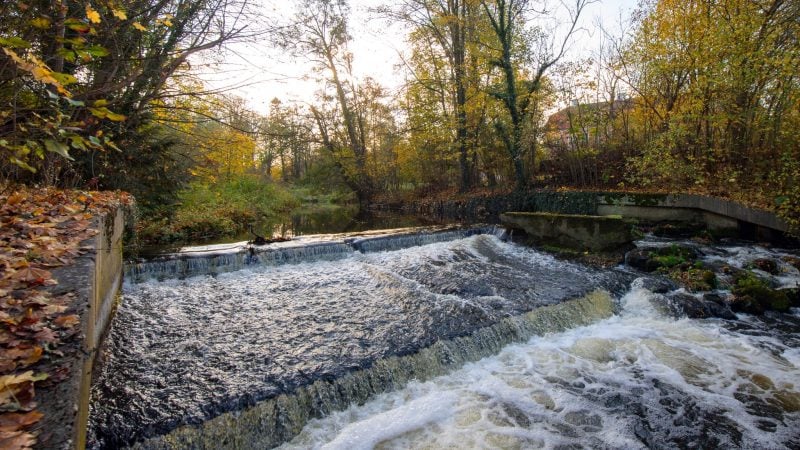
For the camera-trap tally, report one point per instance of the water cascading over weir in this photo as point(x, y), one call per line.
point(241, 348)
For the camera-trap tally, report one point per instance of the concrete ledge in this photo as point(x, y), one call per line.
point(94, 280)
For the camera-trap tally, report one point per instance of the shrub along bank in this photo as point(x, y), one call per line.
point(209, 210)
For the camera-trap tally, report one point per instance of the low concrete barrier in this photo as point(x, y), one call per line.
point(94, 280)
point(714, 212)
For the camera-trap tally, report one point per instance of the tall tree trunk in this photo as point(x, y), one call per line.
point(364, 187)
point(458, 38)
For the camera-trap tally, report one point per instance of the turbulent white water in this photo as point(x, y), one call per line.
point(636, 380)
point(183, 351)
point(217, 358)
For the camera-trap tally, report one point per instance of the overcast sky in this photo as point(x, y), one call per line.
point(259, 73)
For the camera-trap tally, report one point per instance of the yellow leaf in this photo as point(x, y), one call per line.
point(92, 15)
point(40, 73)
point(13, 55)
point(119, 14)
point(10, 380)
point(41, 22)
point(139, 26)
point(115, 117)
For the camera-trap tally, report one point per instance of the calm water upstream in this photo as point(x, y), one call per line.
point(311, 220)
point(347, 327)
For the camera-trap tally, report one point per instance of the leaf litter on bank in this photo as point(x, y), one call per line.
point(40, 230)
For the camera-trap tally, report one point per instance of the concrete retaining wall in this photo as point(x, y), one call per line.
point(716, 213)
point(94, 280)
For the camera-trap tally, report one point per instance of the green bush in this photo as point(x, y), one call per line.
point(225, 208)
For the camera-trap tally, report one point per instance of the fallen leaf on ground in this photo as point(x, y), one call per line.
point(46, 335)
point(32, 275)
point(17, 421)
point(67, 321)
point(16, 440)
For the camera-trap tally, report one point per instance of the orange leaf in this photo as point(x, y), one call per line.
point(16, 440)
point(12, 358)
point(54, 309)
point(67, 321)
point(35, 356)
point(18, 421)
point(15, 198)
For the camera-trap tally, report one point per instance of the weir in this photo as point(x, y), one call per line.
point(245, 358)
point(455, 337)
point(274, 421)
point(212, 260)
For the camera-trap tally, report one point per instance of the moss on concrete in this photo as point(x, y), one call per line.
point(634, 198)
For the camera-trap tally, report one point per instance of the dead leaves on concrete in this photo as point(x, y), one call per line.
point(40, 229)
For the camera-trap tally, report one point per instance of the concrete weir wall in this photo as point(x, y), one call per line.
point(715, 213)
point(94, 280)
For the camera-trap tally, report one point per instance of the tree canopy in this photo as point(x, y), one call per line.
point(694, 95)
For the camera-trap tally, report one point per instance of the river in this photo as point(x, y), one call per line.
point(184, 350)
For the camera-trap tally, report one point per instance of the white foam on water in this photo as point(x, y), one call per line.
point(793, 356)
point(742, 257)
point(395, 422)
point(636, 380)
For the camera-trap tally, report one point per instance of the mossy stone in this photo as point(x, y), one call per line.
point(750, 287)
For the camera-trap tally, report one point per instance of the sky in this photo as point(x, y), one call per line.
point(258, 72)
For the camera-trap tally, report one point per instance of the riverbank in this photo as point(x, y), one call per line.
point(46, 248)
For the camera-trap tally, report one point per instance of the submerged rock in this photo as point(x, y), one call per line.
point(792, 261)
point(793, 295)
point(658, 285)
point(640, 258)
point(767, 265)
